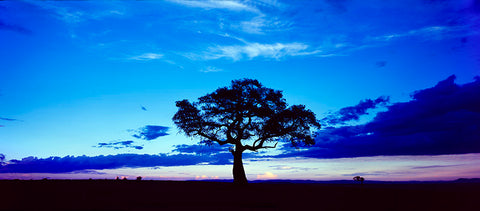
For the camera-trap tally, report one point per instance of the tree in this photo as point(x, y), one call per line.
point(248, 116)
point(359, 179)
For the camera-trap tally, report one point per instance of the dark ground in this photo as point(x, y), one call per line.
point(170, 195)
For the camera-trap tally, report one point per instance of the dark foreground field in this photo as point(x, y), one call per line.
point(169, 195)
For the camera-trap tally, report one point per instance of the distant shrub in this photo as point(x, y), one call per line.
point(359, 179)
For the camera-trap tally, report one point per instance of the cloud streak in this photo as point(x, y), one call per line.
point(119, 145)
point(436, 32)
point(14, 28)
point(256, 50)
point(8, 119)
point(200, 149)
point(147, 57)
point(211, 69)
point(214, 4)
point(71, 14)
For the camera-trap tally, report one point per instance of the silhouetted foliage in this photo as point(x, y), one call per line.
point(139, 178)
point(248, 116)
point(359, 179)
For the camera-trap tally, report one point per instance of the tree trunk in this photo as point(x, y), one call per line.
point(239, 177)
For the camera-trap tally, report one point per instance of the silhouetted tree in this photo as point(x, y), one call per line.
point(359, 179)
point(246, 115)
point(139, 178)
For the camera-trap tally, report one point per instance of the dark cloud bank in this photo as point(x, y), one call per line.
point(444, 119)
point(184, 155)
point(76, 163)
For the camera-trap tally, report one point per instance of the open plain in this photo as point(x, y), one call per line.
point(184, 195)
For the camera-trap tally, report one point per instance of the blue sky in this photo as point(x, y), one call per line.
point(100, 79)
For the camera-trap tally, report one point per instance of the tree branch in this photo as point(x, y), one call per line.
point(213, 138)
point(274, 146)
point(248, 123)
point(259, 146)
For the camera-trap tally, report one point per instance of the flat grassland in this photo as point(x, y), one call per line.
point(173, 195)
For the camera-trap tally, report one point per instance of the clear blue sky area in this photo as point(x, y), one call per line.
point(94, 84)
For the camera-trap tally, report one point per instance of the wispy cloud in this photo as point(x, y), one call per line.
point(372, 173)
point(70, 14)
point(291, 168)
point(262, 24)
point(432, 166)
point(119, 145)
point(257, 18)
point(216, 4)
point(211, 69)
point(428, 32)
point(8, 119)
point(349, 45)
point(253, 26)
point(200, 149)
point(253, 50)
point(147, 57)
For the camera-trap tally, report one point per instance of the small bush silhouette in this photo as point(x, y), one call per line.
point(359, 179)
point(139, 178)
